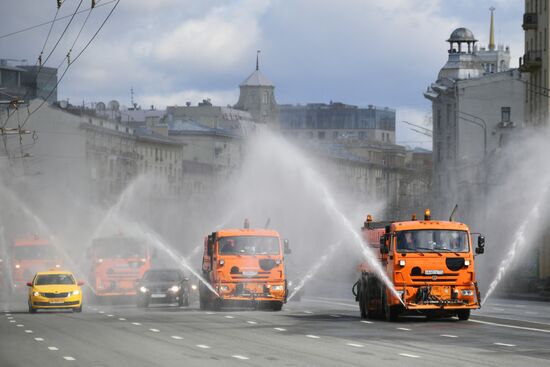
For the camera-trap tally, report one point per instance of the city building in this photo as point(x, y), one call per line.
point(534, 62)
point(25, 82)
point(493, 58)
point(338, 122)
point(473, 114)
point(257, 96)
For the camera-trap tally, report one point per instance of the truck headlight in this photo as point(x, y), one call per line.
point(35, 293)
point(277, 287)
point(194, 287)
point(175, 288)
point(143, 289)
point(402, 263)
point(466, 262)
point(224, 288)
point(467, 292)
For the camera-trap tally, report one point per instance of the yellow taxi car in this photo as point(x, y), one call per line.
point(53, 290)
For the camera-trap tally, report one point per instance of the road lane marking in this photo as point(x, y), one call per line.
point(13, 321)
point(28, 331)
point(510, 326)
point(155, 330)
point(20, 325)
point(403, 329)
point(136, 323)
point(229, 317)
point(355, 345)
point(409, 355)
point(176, 337)
point(239, 357)
point(203, 346)
point(335, 303)
point(313, 336)
point(448, 336)
point(10, 317)
point(505, 344)
point(308, 312)
point(498, 309)
point(210, 313)
point(251, 322)
point(110, 315)
point(531, 312)
point(279, 329)
point(336, 316)
point(122, 319)
point(53, 348)
point(366, 322)
point(102, 312)
point(69, 358)
point(39, 339)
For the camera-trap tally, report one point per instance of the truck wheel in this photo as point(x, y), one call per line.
point(390, 312)
point(276, 305)
point(463, 315)
point(363, 304)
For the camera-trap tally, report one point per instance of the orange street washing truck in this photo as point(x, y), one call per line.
point(30, 255)
point(117, 263)
point(429, 262)
point(245, 267)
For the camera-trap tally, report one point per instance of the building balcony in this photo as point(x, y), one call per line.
point(529, 21)
point(531, 61)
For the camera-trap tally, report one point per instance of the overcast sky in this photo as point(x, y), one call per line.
point(359, 52)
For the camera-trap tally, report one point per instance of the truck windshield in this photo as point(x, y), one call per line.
point(432, 240)
point(118, 248)
point(35, 252)
point(249, 245)
point(54, 279)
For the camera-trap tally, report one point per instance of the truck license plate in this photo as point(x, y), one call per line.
point(433, 272)
point(158, 295)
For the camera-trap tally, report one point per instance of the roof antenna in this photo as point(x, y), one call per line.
point(453, 213)
point(267, 223)
point(258, 59)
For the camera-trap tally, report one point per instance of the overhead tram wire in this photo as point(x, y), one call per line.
point(43, 62)
point(52, 21)
point(69, 64)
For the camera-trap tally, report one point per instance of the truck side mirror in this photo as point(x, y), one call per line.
point(480, 245)
point(383, 247)
point(286, 245)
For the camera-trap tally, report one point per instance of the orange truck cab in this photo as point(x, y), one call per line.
point(430, 264)
point(245, 267)
point(30, 255)
point(117, 263)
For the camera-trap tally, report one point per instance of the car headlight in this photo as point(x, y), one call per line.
point(175, 288)
point(17, 266)
point(35, 293)
point(194, 287)
point(57, 266)
point(143, 289)
point(467, 292)
point(277, 287)
point(75, 293)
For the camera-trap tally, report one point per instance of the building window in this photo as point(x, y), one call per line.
point(335, 135)
point(265, 97)
point(361, 135)
point(505, 114)
point(321, 135)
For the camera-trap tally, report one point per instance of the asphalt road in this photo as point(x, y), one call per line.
point(313, 332)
